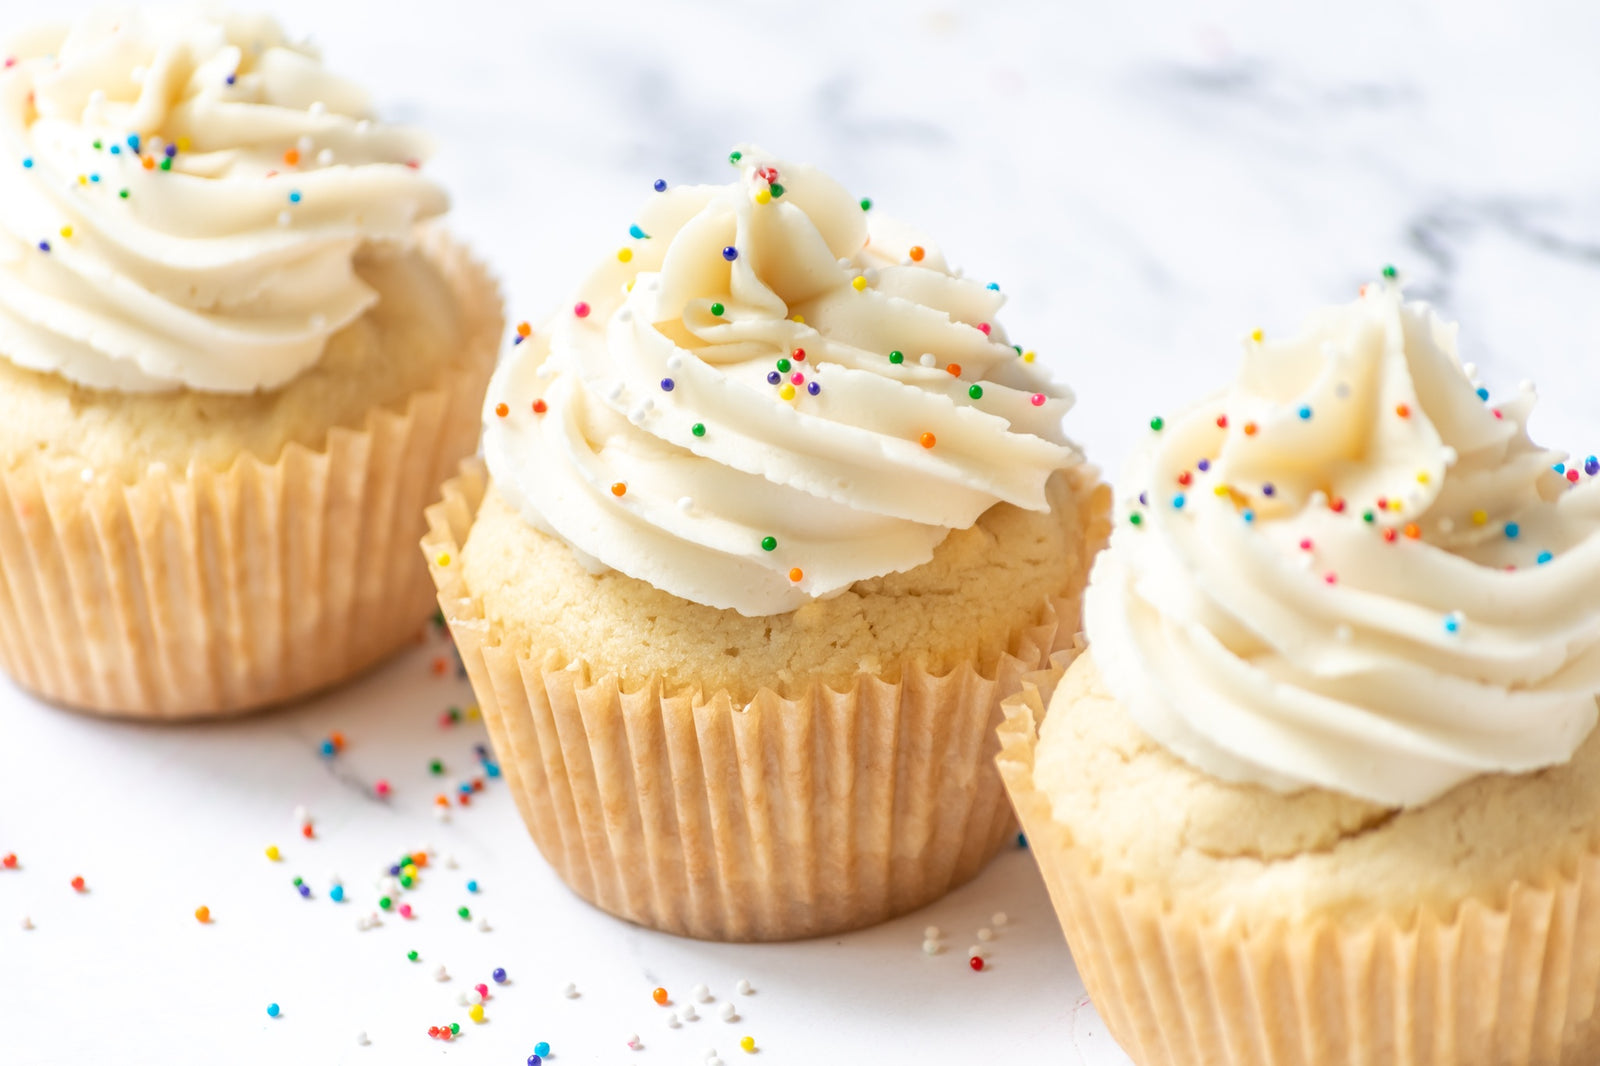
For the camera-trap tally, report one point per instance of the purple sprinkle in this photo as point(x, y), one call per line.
point(1268, 490)
point(667, 384)
point(1203, 465)
point(172, 150)
point(774, 377)
point(814, 388)
point(1143, 502)
point(231, 78)
point(305, 891)
point(44, 246)
point(730, 253)
point(518, 339)
point(394, 871)
point(1592, 466)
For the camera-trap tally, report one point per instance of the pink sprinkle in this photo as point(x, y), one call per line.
point(11, 61)
point(1037, 399)
point(800, 379)
point(581, 309)
point(1497, 414)
point(1332, 579)
point(381, 787)
point(985, 327)
point(1305, 545)
point(1572, 476)
point(483, 990)
point(405, 910)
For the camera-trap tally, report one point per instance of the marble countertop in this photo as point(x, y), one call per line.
point(1146, 182)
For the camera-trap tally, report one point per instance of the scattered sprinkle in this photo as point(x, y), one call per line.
point(580, 309)
point(273, 1010)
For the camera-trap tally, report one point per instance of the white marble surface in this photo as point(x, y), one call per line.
point(1147, 182)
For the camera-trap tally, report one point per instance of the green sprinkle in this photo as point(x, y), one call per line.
point(435, 767)
point(298, 882)
point(123, 193)
point(897, 358)
point(717, 310)
point(463, 913)
point(698, 429)
point(777, 190)
point(1158, 424)
point(1017, 348)
point(455, 714)
point(385, 903)
point(1136, 519)
point(406, 881)
point(866, 204)
point(455, 1028)
point(769, 543)
point(98, 146)
point(166, 164)
point(1368, 517)
point(976, 392)
point(413, 956)
point(1389, 271)
point(734, 157)
point(783, 366)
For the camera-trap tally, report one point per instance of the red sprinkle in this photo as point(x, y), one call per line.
point(984, 327)
point(1337, 505)
point(77, 884)
point(798, 355)
point(10, 861)
point(1390, 535)
point(307, 832)
point(976, 963)
point(540, 407)
point(1222, 421)
point(1185, 477)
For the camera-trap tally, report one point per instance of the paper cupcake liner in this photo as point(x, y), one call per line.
point(212, 591)
point(776, 820)
point(1509, 981)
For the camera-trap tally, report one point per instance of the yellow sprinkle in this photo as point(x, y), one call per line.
point(409, 870)
point(66, 231)
point(763, 196)
point(1221, 490)
point(624, 254)
point(272, 852)
point(1256, 335)
point(1395, 505)
point(183, 144)
point(1027, 357)
point(786, 391)
point(473, 712)
point(83, 179)
point(1423, 478)
point(859, 284)
point(444, 558)
point(476, 1013)
point(748, 1043)
point(798, 318)
point(629, 286)
point(1480, 517)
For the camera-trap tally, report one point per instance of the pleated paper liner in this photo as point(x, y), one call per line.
point(1508, 981)
point(210, 591)
point(781, 819)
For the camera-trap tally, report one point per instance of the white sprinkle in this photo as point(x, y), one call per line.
point(461, 999)
point(673, 1022)
point(361, 1038)
point(931, 933)
point(871, 274)
point(686, 504)
point(743, 987)
point(441, 974)
point(97, 97)
point(319, 322)
point(284, 218)
point(633, 1042)
point(302, 816)
point(700, 992)
point(1449, 455)
point(985, 935)
point(1447, 525)
point(483, 925)
point(615, 391)
point(1527, 386)
point(325, 158)
point(546, 371)
point(728, 1013)
point(317, 107)
point(27, 923)
point(87, 476)
point(571, 991)
point(713, 1062)
point(364, 125)
point(474, 997)
point(389, 886)
point(999, 919)
point(305, 145)
point(441, 814)
point(931, 947)
point(674, 361)
point(974, 952)
point(927, 359)
point(450, 862)
point(845, 264)
point(1344, 634)
point(689, 1014)
point(1471, 370)
point(711, 1053)
point(334, 880)
point(625, 315)
point(138, 74)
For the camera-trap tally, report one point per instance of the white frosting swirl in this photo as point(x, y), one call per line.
point(684, 441)
point(182, 195)
point(1351, 572)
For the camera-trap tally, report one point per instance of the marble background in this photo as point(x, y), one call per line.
point(1147, 182)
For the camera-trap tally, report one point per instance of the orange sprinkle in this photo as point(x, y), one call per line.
point(619, 488)
point(660, 996)
point(1414, 531)
point(1404, 411)
point(524, 330)
point(916, 253)
point(1250, 429)
point(796, 574)
point(954, 369)
point(338, 741)
point(441, 801)
point(440, 665)
point(149, 162)
point(292, 157)
point(419, 858)
point(202, 915)
point(540, 407)
point(929, 440)
point(501, 409)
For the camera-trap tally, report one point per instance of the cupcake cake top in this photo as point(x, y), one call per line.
point(767, 394)
point(1352, 571)
point(182, 194)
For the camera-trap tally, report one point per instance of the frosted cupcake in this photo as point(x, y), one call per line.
point(775, 516)
point(234, 367)
point(1326, 787)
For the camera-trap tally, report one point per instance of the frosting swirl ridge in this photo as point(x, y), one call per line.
point(1350, 571)
point(182, 197)
point(761, 399)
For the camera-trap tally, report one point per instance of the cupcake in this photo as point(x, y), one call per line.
point(1325, 787)
point(774, 516)
point(237, 359)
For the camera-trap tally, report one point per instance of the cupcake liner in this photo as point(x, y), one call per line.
point(214, 591)
point(1506, 981)
point(775, 820)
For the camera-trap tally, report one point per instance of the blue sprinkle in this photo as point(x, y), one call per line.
point(1591, 466)
point(328, 748)
point(465, 787)
point(1178, 501)
point(273, 1010)
point(994, 286)
point(336, 893)
point(499, 975)
point(481, 751)
point(294, 196)
point(667, 384)
point(1513, 531)
point(813, 388)
point(1203, 465)
point(305, 891)
point(472, 886)
point(1452, 623)
point(535, 1060)
point(27, 164)
point(44, 246)
point(661, 185)
point(637, 234)
point(231, 78)
point(1545, 557)
point(492, 769)
point(730, 253)
point(116, 149)
point(773, 377)
point(1305, 414)
point(1483, 394)
point(518, 339)
point(133, 141)
point(394, 871)
point(541, 1049)
point(1249, 516)
point(95, 178)
point(1560, 468)
point(1022, 840)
